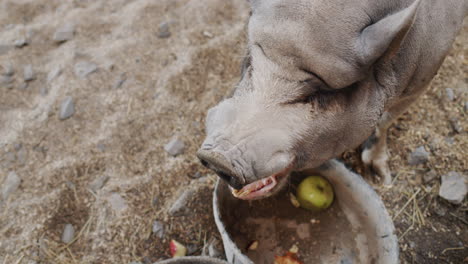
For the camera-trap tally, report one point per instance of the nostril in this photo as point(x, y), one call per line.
point(204, 163)
point(230, 180)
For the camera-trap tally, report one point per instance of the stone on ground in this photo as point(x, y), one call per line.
point(10, 185)
point(84, 68)
point(180, 205)
point(67, 108)
point(29, 74)
point(117, 203)
point(418, 156)
point(64, 33)
point(68, 233)
point(174, 147)
point(453, 187)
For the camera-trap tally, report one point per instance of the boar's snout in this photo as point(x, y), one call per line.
point(220, 165)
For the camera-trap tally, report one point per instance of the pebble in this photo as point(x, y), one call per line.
point(84, 68)
point(179, 206)
point(64, 33)
point(449, 94)
point(4, 49)
point(174, 147)
point(21, 156)
point(67, 108)
point(453, 187)
point(466, 107)
point(29, 73)
point(98, 183)
point(43, 91)
point(23, 86)
point(8, 69)
point(101, 147)
point(456, 125)
point(118, 83)
point(68, 233)
point(54, 73)
point(418, 156)
point(158, 229)
point(10, 185)
point(207, 34)
point(164, 31)
point(117, 203)
point(6, 80)
point(429, 176)
point(21, 42)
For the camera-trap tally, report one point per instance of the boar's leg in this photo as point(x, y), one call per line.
point(374, 153)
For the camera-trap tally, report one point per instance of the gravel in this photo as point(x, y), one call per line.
point(68, 233)
point(64, 33)
point(453, 187)
point(164, 31)
point(4, 49)
point(158, 229)
point(67, 108)
point(181, 204)
point(10, 185)
point(84, 68)
point(418, 156)
point(175, 147)
point(21, 42)
point(449, 94)
point(8, 69)
point(98, 183)
point(54, 73)
point(28, 72)
point(117, 203)
point(429, 176)
point(5, 80)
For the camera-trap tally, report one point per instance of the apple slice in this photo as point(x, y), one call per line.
point(177, 249)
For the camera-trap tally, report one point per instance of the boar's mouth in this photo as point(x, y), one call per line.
point(264, 187)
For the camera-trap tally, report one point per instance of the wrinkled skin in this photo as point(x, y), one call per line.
point(319, 78)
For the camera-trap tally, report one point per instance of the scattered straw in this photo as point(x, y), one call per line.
point(406, 204)
point(450, 249)
point(19, 260)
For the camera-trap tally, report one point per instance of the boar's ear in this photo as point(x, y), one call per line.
point(386, 35)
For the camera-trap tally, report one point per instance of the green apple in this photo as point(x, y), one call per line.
point(315, 193)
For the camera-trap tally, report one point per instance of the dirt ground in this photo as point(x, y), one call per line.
point(148, 89)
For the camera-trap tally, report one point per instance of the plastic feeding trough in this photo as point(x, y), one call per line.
point(356, 228)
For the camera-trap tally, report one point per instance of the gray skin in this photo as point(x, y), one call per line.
point(321, 77)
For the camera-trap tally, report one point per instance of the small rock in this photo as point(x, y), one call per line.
point(429, 176)
point(456, 125)
point(21, 156)
point(101, 147)
point(147, 260)
point(21, 42)
point(117, 203)
point(450, 94)
point(6, 80)
point(4, 49)
point(418, 156)
point(466, 107)
point(174, 147)
point(191, 249)
point(179, 206)
point(207, 34)
point(98, 183)
point(453, 187)
point(8, 69)
point(84, 68)
point(43, 91)
point(164, 31)
point(10, 185)
point(70, 185)
point(440, 211)
point(412, 244)
point(64, 33)
point(68, 233)
point(122, 78)
point(23, 86)
point(54, 73)
point(158, 229)
point(18, 146)
point(29, 73)
point(67, 108)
